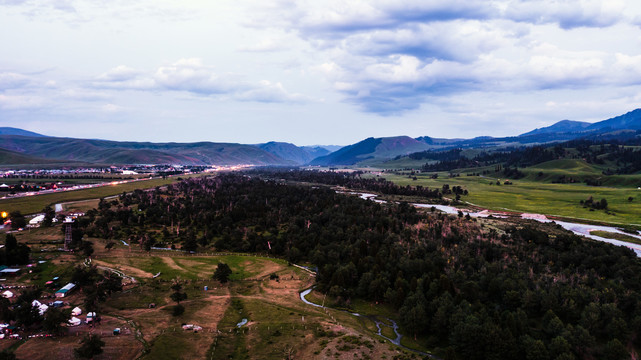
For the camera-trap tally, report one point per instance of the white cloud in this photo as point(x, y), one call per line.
point(266, 45)
point(19, 102)
point(111, 108)
point(191, 75)
point(119, 73)
point(399, 52)
point(11, 80)
point(567, 13)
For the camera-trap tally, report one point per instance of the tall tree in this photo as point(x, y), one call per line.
point(91, 345)
point(222, 273)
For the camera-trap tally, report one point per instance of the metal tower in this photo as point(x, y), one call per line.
point(68, 222)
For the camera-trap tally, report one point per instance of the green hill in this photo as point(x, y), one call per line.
point(371, 151)
point(115, 152)
point(8, 157)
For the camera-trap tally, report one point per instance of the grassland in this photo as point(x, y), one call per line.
point(530, 196)
point(34, 204)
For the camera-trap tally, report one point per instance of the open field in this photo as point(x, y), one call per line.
point(80, 178)
point(541, 198)
point(34, 204)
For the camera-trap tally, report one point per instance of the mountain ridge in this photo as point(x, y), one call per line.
point(368, 151)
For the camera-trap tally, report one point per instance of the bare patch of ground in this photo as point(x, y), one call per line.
point(169, 261)
point(124, 346)
point(128, 270)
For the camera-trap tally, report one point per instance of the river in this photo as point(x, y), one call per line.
point(576, 228)
point(379, 325)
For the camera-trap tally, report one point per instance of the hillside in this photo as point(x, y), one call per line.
point(560, 127)
point(114, 152)
point(630, 120)
point(368, 152)
point(19, 132)
point(372, 149)
point(8, 157)
point(290, 152)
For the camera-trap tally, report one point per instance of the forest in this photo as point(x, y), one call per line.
point(471, 290)
point(625, 156)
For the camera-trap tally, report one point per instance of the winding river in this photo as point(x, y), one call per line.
point(576, 228)
point(379, 324)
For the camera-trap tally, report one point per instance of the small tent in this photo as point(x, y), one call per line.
point(7, 294)
point(76, 311)
point(42, 308)
point(91, 317)
point(74, 321)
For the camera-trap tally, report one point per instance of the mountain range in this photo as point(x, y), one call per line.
point(19, 146)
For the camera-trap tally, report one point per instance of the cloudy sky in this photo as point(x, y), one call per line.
point(314, 72)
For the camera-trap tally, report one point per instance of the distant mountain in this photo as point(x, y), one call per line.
point(115, 152)
point(371, 149)
point(290, 152)
point(19, 132)
point(562, 126)
point(628, 121)
point(329, 148)
point(318, 151)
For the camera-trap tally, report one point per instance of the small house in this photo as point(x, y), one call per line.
point(10, 272)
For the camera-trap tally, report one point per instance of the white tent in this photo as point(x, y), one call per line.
point(74, 321)
point(8, 294)
point(42, 308)
point(37, 220)
point(91, 316)
point(76, 311)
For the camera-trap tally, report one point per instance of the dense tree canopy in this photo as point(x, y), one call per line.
point(480, 292)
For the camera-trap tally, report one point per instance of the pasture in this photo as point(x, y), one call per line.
point(530, 196)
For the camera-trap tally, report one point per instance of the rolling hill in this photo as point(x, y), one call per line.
point(562, 126)
point(114, 152)
point(19, 132)
point(372, 149)
point(8, 157)
point(295, 154)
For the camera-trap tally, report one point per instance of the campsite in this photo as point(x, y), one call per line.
point(259, 308)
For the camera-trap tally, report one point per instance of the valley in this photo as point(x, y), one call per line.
point(391, 248)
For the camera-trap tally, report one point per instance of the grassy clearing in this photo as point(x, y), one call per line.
point(195, 267)
point(542, 198)
point(34, 204)
point(616, 236)
point(173, 345)
point(81, 206)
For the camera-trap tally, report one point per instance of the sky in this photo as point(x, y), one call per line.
point(314, 72)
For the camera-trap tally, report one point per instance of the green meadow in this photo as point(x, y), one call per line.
point(531, 196)
point(35, 204)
